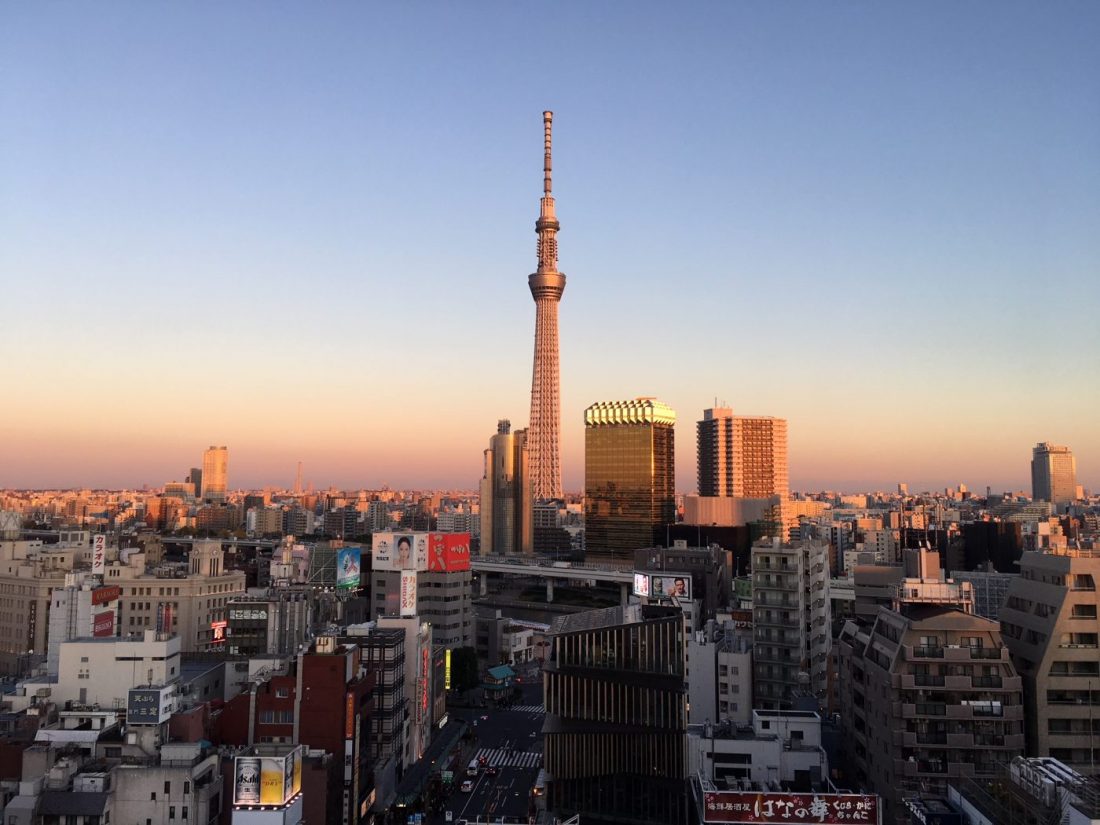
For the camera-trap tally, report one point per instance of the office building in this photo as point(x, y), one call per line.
point(629, 476)
point(382, 650)
point(1050, 625)
point(742, 456)
point(792, 623)
point(507, 495)
point(1053, 475)
point(720, 675)
point(275, 624)
point(616, 716)
point(215, 474)
point(547, 285)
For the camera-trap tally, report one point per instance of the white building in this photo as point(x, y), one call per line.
point(418, 682)
point(719, 675)
point(777, 747)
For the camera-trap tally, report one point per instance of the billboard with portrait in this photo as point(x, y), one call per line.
point(408, 592)
point(348, 560)
point(449, 552)
point(641, 584)
point(667, 585)
point(400, 551)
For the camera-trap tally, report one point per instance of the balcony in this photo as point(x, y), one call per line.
point(985, 653)
point(988, 681)
point(926, 652)
point(928, 680)
point(931, 738)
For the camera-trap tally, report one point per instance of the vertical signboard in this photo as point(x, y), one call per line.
point(408, 592)
point(447, 670)
point(348, 561)
point(99, 555)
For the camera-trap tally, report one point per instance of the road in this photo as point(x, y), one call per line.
point(510, 739)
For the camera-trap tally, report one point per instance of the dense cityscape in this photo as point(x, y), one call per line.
point(733, 650)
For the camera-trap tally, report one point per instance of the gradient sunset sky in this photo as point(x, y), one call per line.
point(304, 231)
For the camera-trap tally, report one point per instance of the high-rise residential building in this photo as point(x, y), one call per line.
point(928, 695)
point(1050, 625)
point(792, 621)
point(616, 715)
point(506, 494)
point(215, 473)
point(742, 456)
point(1053, 474)
point(629, 475)
point(547, 286)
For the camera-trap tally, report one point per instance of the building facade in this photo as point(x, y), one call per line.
point(507, 495)
point(616, 716)
point(742, 456)
point(629, 475)
point(215, 474)
point(1053, 475)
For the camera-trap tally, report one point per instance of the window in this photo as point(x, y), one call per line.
point(282, 693)
point(1084, 611)
point(167, 788)
point(186, 790)
point(153, 796)
point(171, 811)
point(184, 812)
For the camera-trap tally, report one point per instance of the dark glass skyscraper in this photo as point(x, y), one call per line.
point(629, 475)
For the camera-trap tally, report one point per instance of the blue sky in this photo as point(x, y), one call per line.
point(304, 231)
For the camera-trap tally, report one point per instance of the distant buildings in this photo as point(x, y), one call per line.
point(507, 495)
point(629, 475)
point(742, 456)
point(1053, 475)
point(215, 474)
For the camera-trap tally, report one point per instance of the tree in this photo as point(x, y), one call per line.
point(464, 670)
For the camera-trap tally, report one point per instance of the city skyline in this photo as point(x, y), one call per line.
point(864, 221)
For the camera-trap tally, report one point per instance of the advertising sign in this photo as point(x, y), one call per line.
point(400, 551)
point(408, 592)
point(748, 808)
point(447, 670)
point(641, 584)
point(246, 780)
point(103, 595)
point(272, 780)
point(217, 631)
point(99, 555)
point(671, 584)
point(349, 716)
point(103, 624)
point(347, 567)
point(148, 706)
point(449, 552)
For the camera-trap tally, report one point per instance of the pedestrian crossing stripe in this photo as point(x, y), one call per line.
point(501, 758)
point(529, 708)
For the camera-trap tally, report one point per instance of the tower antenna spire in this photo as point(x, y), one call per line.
point(547, 165)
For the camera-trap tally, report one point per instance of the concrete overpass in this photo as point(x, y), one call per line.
point(553, 571)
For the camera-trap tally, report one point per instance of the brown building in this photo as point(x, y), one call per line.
point(927, 696)
point(1050, 626)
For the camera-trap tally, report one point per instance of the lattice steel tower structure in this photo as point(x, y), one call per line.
point(547, 285)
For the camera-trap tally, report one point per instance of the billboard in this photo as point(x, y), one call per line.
point(103, 595)
point(103, 624)
point(348, 560)
point(400, 551)
point(148, 706)
point(663, 585)
point(99, 555)
point(447, 670)
point(748, 808)
point(408, 592)
point(217, 631)
point(267, 780)
point(449, 552)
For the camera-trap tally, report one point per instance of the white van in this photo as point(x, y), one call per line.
point(474, 768)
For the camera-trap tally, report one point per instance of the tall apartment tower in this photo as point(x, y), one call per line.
point(1050, 626)
point(215, 473)
point(507, 507)
point(1053, 474)
point(742, 456)
point(547, 285)
point(629, 475)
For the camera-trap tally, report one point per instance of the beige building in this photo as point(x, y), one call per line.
point(742, 456)
point(29, 572)
point(1050, 625)
point(928, 695)
point(215, 473)
point(1053, 475)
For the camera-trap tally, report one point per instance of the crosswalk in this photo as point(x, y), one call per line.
point(528, 708)
point(509, 759)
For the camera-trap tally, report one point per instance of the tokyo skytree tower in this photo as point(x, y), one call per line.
point(547, 285)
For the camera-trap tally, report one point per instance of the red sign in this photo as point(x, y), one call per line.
point(349, 717)
point(828, 808)
point(103, 624)
point(449, 552)
point(218, 628)
point(102, 595)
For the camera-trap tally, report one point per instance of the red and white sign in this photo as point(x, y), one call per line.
point(826, 808)
point(217, 636)
point(105, 595)
point(99, 555)
point(349, 716)
point(103, 624)
point(408, 592)
point(449, 552)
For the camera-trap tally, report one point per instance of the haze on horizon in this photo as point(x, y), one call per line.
point(306, 235)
